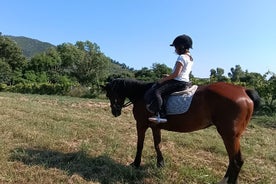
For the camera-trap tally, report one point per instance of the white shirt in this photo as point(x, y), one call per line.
point(187, 64)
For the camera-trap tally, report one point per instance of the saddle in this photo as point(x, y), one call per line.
point(179, 102)
point(176, 103)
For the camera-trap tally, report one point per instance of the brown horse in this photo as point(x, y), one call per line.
point(228, 107)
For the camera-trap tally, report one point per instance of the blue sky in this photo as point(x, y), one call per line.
point(138, 32)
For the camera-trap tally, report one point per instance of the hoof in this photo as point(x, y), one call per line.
point(161, 164)
point(136, 166)
point(223, 181)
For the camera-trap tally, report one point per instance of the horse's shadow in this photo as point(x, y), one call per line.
point(101, 169)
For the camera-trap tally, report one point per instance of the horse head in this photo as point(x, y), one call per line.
point(115, 96)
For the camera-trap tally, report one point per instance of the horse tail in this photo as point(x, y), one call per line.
point(254, 96)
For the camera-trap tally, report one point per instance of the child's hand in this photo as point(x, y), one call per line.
point(161, 80)
point(165, 77)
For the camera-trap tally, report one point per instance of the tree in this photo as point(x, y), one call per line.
point(217, 75)
point(267, 91)
point(92, 69)
point(160, 70)
point(252, 79)
point(145, 74)
point(70, 55)
point(236, 74)
point(11, 54)
point(5, 72)
point(31, 76)
point(48, 62)
point(155, 73)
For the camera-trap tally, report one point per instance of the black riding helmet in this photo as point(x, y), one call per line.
point(183, 41)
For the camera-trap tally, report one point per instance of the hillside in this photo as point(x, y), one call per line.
point(30, 46)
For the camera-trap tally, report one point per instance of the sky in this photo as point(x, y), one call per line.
point(138, 33)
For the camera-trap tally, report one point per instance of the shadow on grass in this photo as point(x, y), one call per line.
point(101, 169)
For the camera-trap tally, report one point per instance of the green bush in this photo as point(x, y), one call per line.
point(66, 88)
point(3, 87)
point(44, 88)
point(83, 91)
point(78, 91)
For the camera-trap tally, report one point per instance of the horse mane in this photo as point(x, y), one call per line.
point(130, 88)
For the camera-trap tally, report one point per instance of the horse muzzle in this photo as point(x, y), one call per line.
point(116, 111)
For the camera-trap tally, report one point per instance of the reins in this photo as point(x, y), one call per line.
point(127, 104)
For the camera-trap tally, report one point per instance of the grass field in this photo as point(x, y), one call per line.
point(53, 139)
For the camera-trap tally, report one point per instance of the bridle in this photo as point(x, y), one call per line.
point(119, 107)
point(127, 104)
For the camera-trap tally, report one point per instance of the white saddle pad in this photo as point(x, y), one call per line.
point(179, 102)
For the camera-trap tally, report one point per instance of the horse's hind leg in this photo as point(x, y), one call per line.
point(157, 140)
point(232, 145)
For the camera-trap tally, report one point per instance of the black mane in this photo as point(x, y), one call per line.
point(130, 88)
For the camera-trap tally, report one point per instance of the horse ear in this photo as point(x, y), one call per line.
point(103, 87)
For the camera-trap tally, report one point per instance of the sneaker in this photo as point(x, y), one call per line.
point(157, 119)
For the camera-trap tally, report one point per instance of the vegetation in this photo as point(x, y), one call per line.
point(59, 139)
point(80, 69)
point(65, 67)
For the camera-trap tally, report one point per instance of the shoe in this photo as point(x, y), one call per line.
point(157, 119)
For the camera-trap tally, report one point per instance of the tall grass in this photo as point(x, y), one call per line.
point(53, 139)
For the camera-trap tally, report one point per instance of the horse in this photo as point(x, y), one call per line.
point(226, 106)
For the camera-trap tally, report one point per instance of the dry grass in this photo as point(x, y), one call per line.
point(52, 139)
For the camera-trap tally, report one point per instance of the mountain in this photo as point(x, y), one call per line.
point(30, 46)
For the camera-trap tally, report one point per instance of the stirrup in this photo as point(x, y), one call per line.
point(157, 119)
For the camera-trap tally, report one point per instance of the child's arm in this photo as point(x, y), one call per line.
point(173, 75)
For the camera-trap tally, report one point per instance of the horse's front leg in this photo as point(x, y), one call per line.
point(157, 140)
point(141, 131)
